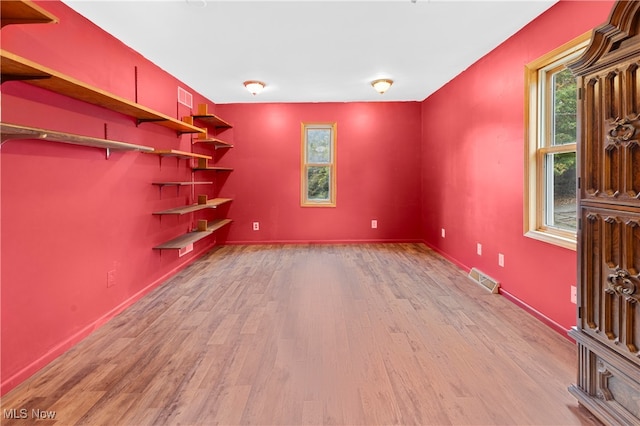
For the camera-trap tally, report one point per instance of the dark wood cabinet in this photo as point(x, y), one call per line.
point(608, 326)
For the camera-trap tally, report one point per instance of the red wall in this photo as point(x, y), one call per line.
point(378, 169)
point(472, 167)
point(69, 216)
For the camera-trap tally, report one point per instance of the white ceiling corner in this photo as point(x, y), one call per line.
point(312, 51)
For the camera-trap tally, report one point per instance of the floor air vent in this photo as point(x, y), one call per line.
point(484, 280)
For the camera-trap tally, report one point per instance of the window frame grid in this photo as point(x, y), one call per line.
point(305, 201)
point(539, 141)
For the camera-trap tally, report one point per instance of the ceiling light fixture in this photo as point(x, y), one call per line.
point(254, 86)
point(382, 85)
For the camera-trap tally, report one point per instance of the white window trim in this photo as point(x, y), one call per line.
point(534, 158)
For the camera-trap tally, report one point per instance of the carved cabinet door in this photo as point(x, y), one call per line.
point(608, 327)
point(610, 154)
point(610, 277)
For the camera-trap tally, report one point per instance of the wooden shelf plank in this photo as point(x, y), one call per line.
point(214, 225)
point(216, 142)
point(183, 240)
point(15, 67)
point(219, 201)
point(13, 131)
point(211, 204)
point(179, 154)
point(214, 120)
point(213, 168)
point(205, 116)
point(24, 12)
point(193, 237)
point(161, 184)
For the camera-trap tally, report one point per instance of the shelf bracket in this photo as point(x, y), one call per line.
point(147, 120)
point(162, 186)
point(9, 136)
point(190, 132)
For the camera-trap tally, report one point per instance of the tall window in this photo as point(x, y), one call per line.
point(550, 164)
point(318, 169)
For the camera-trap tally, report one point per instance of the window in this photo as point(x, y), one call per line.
point(550, 166)
point(318, 165)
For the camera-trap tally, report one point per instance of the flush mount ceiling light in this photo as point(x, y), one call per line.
point(254, 86)
point(382, 85)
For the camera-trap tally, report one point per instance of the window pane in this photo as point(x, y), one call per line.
point(564, 108)
point(318, 179)
point(561, 191)
point(318, 146)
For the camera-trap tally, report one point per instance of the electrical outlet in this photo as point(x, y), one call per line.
point(374, 223)
point(479, 249)
point(574, 295)
point(442, 233)
point(111, 278)
point(501, 259)
point(256, 226)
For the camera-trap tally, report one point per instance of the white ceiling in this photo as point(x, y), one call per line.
point(312, 51)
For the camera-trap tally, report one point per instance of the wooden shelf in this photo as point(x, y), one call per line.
point(15, 67)
point(24, 12)
point(211, 119)
point(216, 142)
point(217, 224)
point(213, 168)
point(211, 204)
point(192, 237)
point(179, 154)
point(161, 184)
point(183, 240)
point(13, 131)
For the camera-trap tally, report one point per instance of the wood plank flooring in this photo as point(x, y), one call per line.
point(313, 334)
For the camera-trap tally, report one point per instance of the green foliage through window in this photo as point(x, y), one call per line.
point(564, 119)
point(318, 183)
point(319, 145)
point(564, 106)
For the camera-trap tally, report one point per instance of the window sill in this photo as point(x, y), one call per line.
point(318, 205)
point(566, 242)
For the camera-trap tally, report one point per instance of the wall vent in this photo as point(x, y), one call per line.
point(185, 98)
point(484, 280)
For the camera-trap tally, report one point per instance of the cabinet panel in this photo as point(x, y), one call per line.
point(607, 385)
point(608, 326)
point(611, 150)
point(610, 274)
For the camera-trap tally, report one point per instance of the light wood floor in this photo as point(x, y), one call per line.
point(314, 334)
